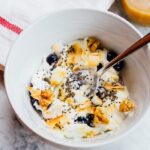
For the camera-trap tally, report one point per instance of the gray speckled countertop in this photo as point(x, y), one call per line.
point(13, 136)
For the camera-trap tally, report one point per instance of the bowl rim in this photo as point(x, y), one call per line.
point(52, 140)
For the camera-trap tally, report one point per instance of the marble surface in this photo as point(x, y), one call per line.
point(13, 136)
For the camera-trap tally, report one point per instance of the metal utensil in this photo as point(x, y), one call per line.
point(140, 43)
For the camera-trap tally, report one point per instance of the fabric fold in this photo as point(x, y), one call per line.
point(22, 13)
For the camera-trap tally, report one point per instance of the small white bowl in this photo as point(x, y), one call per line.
point(67, 25)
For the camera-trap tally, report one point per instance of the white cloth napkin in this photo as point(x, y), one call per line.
point(15, 15)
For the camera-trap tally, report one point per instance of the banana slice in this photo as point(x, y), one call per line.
point(138, 10)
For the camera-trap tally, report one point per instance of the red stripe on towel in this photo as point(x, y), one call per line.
point(10, 26)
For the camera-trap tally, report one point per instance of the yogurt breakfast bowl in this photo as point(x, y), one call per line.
point(36, 41)
point(71, 97)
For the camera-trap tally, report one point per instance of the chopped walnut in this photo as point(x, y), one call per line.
point(52, 122)
point(85, 106)
point(126, 106)
point(110, 86)
point(46, 94)
point(94, 59)
point(36, 94)
point(58, 123)
point(77, 48)
point(45, 102)
point(46, 98)
point(58, 76)
point(54, 83)
point(100, 117)
point(90, 41)
point(71, 58)
point(93, 44)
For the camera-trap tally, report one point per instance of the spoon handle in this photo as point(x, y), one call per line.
point(140, 43)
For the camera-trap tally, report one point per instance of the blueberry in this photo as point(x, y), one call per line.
point(119, 66)
point(52, 58)
point(99, 66)
point(111, 55)
point(32, 102)
point(101, 92)
point(38, 111)
point(86, 120)
point(81, 119)
point(32, 99)
point(89, 119)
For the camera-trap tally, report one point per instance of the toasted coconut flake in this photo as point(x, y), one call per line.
point(58, 122)
point(126, 106)
point(90, 41)
point(36, 94)
point(93, 43)
point(94, 59)
point(85, 106)
point(77, 48)
point(47, 94)
point(54, 83)
point(71, 58)
point(110, 86)
point(46, 99)
point(57, 76)
point(44, 103)
point(52, 122)
point(94, 46)
point(90, 134)
point(100, 117)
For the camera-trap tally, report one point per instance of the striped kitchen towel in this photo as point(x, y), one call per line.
point(15, 15)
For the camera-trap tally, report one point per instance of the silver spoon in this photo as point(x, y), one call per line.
point(140, 43)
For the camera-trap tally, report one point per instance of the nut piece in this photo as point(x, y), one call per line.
point(94, 59)
point(109, 86)
point(77, 48)
point(126, 106)
point(100, 117)
point(45, 103)
point(46, 98)
point(58, 76)
point(90, 134)
point(52, 122)
point(93, 44)
point(46, 94)
point(36, 94)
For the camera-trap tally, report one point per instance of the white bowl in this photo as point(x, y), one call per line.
point(67, 25)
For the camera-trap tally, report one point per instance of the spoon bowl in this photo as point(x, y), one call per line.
point(136, 46)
